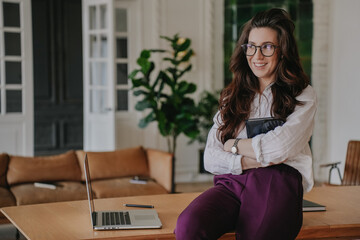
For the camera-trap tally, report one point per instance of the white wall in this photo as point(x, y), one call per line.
point(202, 22)
point(339, 119)
point(344, 111)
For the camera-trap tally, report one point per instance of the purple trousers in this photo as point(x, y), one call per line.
point(263, 203)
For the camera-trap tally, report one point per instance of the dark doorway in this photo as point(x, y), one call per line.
point(58, 75)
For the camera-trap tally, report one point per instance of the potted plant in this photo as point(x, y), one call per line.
point(165, 96)
point(206, 109)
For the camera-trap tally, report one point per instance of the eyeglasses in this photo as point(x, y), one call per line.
point(267, 50)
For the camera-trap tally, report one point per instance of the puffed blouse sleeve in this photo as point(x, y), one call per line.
point(216, 159)
point(290, 139)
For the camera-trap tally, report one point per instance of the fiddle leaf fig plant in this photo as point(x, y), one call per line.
point(206, 109)
point(165, 96)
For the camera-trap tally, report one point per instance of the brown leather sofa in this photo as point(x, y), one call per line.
point(110, 172)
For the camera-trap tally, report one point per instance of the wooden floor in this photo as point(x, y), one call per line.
point(193, 187)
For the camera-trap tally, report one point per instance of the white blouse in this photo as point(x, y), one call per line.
point(289, 143)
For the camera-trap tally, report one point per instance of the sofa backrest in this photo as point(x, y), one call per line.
point(119, 163)
point(62, 167)
point(4, 160)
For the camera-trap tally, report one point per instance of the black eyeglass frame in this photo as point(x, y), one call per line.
point(244, 47)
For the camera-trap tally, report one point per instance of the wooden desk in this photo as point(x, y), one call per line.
point(71, 220)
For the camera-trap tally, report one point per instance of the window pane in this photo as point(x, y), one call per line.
point(11, 14)
point(92, 17)
point(93, 46)
point(103, 49)
point(121, 48)
point(122, 100)
point(12, 44)
point(121, 20)
point(98, 74)
point(13, 72)
point(13, 101)
point(98, 101)
point(122, 73)
point(103, 17)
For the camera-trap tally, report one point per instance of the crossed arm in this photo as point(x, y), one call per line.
point(274, 147)
point(245, 148)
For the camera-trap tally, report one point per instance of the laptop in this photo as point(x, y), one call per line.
point(122, 219)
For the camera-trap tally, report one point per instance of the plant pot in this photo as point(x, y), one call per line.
point(201, 162)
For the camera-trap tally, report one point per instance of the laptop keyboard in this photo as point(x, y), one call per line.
point(116, 218)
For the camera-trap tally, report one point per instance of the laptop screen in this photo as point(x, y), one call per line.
point(88, 185)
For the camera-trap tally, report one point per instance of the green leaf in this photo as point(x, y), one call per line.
point(167, 38)
point(144, 122)
point(144, 64)
point(151, 68)
point(186, 88)
point(183, 116)
point(156, 82)
point(173, 61)
point(188, 68)
point(145, 54)
point(192, 133)
point(192, 88)
point(167, 79)
point(172, 70)
point(183, 86)
point(142, 105)
point(162, 124)
point(187, 56)
point(139, 92)
point(184, 45)
point(142, 61)
point(133, 74)
point(138, 82)
point(162, 84)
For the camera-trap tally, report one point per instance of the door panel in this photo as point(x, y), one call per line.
point(58, 85)
point(99, 94)
point(16, 89)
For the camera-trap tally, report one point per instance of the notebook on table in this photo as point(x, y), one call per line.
point(309, 206)
point(118, 219)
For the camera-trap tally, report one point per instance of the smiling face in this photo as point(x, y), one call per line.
point(263, 67)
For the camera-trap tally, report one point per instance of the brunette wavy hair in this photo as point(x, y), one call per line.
point(236, 99)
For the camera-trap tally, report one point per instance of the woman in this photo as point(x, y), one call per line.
point(258, 188)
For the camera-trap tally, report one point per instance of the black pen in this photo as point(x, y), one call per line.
point(138, 205)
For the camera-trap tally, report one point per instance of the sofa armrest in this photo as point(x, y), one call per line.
point(160, 167)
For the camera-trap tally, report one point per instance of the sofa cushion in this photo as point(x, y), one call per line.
point(6, 198)
point(66, 191)
point(121, 187)
point(4, 161)
point(62, 167)
point(119, 163)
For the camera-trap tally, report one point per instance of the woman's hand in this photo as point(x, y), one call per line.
point(248, 159)
point(228, 145)
point(248, 163)
point(244, 147)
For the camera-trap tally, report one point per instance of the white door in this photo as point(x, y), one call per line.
point(16, 78)
point(127, 35)
point(99, 99)
point(111, 45)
